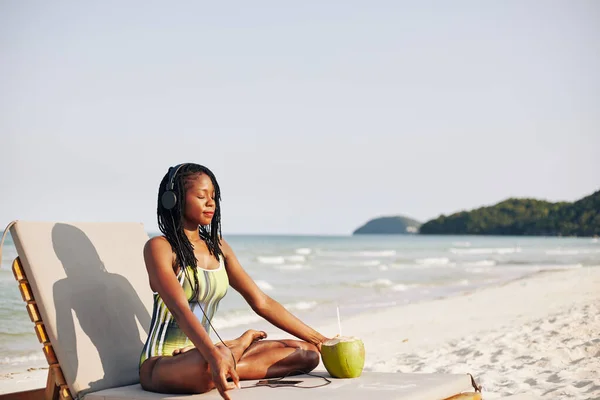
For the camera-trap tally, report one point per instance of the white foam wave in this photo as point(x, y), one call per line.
point(229, 321)
point(542, 267)
point(301, 305)
point(433, 261)
point(499, 250)
point(270, 259)
point(571, 252)
point(461, 244)
point(363, 253)
point(565, 266)
point(296, 258)
point(381, 253)
point(400, 266)
point(371, 263)
point(383, 267)
point(22, 359)
point(482, 263)
point(477, 270)
point(264, 285)
point(376, 283)
point(304, 251)
point(401, 287)
point(291, 267)
point(238, 318)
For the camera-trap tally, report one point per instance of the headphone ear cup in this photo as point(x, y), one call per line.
point(168, 199)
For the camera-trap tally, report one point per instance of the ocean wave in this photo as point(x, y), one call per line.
point(264, 285)
point(233, 320)
point(477, 270)
point(296, 258)
point(37, 356)
point(380, 253)
point(291, 267)
point(499, 250)
point(482, 263)
point(350, 263)
point(540, 267)
point(370, 263)
point(18, 330)
point(270, 259)
point(303, 251)
point(559, 266)
point(461, 244)
point(571, 252)
point(401, 266)
point(376, 283)
point(238, 318)
point(301, 305)
point(402, 287)
point(363, 253)
point(433, 261)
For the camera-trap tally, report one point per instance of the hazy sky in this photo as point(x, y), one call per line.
point(315, 116)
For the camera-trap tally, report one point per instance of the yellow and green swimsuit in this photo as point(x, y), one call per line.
point(165, 335)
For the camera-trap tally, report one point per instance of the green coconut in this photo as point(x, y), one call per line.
point(343, 356)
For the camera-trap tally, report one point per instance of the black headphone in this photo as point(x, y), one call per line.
point(169, 198)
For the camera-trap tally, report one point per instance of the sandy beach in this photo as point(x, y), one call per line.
point(537, 335)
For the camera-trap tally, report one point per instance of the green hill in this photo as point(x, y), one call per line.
point(523, 217)
point(389, 226)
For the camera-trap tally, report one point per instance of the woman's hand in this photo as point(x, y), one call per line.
point(222, 367)
point(322, 340)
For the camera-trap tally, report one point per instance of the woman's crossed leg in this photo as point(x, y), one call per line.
point(188, 372)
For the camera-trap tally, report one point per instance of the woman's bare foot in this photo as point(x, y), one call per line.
point(247, 338)
point(237, 346)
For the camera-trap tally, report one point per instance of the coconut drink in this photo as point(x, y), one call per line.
point(343, 356)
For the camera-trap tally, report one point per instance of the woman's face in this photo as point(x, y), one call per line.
point(200, 202)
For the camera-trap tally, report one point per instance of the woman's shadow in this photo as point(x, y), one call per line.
point(105, 305)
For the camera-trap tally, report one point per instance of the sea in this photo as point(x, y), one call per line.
point(319, 277)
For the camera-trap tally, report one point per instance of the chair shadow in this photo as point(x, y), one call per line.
point(105, 305)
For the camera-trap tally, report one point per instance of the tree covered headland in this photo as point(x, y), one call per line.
point(389, 225)
point(523, 217)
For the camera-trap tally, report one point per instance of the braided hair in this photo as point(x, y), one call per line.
point(170, 222)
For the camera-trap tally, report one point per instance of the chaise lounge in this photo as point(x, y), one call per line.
point(86, 291)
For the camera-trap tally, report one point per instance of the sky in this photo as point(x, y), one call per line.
point(315, 116)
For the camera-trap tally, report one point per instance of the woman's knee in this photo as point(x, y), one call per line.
point(311, 359)
point(309, 355)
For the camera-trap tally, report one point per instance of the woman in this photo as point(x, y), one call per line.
point(192, 266)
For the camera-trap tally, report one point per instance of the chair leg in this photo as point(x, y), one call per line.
point(51, 392)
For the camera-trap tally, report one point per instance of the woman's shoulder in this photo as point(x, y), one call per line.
point(158, 246)
point(158, 241)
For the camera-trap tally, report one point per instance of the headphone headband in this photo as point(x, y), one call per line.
point(172, 173)
point(169, 198)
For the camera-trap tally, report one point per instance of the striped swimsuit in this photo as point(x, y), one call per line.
point(165, 335)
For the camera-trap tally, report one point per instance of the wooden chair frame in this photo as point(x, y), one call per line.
point(56, 386)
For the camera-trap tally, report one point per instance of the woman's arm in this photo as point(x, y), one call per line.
point(263, 305)
point(158, 256)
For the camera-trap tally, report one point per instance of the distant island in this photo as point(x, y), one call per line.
point(523, 217)
point(389, 225)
